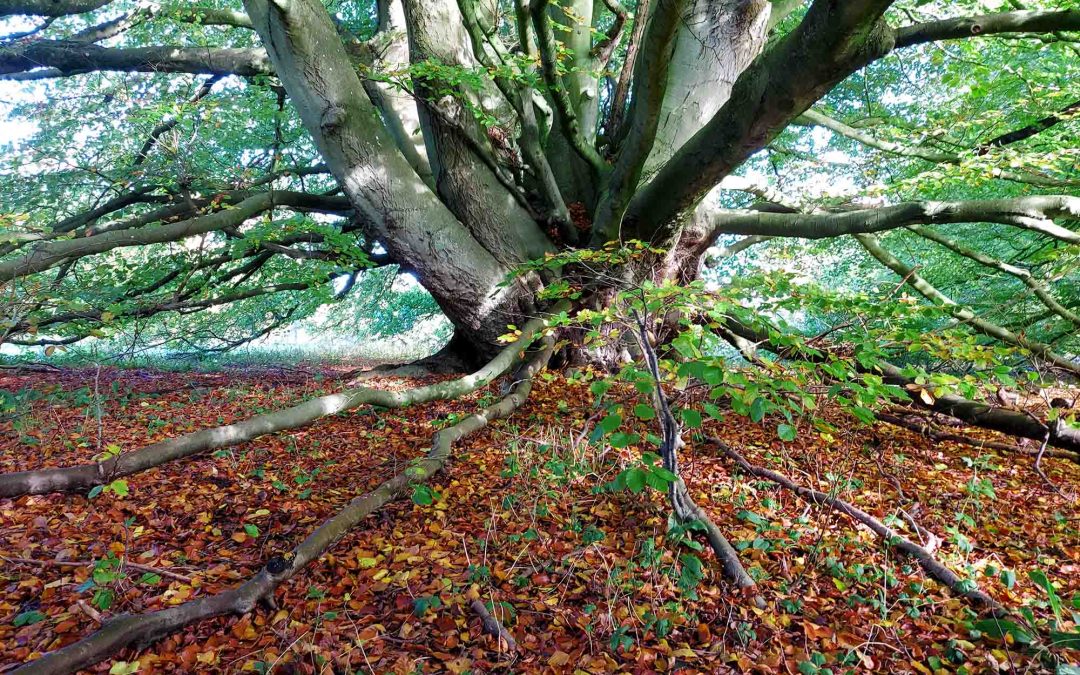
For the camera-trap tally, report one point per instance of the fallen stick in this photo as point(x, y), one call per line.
point(891, 537)
point(82, 563)
point(493, 627)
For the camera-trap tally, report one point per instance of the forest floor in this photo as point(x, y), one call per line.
point(587, 580)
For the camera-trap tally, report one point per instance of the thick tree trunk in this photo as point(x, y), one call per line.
point(417, 229)
point(458, 145)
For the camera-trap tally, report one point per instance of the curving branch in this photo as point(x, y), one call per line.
point(1020, 273)
point(834, 40)
point(1036, 214)
point(170, 122)
point(47, 255)
point(53, 8)
point(66, 479)
point(912, 278)
point(1026, 21)
point(820, 119)
point(748, 339)
point(893, 538)
point(151, 626)
point(66, 57)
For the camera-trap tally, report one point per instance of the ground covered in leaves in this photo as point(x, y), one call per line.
point(588, 579)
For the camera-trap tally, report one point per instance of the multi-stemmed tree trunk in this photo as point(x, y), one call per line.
point(469, 137)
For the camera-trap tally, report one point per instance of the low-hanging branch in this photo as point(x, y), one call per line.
point(142, 629)
point(1025, 276)
point(47, 255)
point(1011, 422)
point(937, 571)
point(86, 476)
point(1036, 214)
point(912, 278)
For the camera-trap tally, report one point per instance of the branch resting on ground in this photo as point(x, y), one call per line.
point(143, 629)
point(893, 538)
point(86, 476)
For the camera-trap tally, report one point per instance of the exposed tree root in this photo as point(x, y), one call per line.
point(685, 509)
point(934, 569)
point(86, 476)
point(493, 627)
point(143, 629)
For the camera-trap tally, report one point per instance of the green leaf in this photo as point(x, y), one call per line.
point(423, 496)
point(786, 432)
point(118, 487)
point(644, 411)
point(29, 618)
point(1040, 579)
point(692, 418)
point(999, 628)
point(150, 578)
point(1065, 640)
point(635, 479)
point(251, 530)
point(757, 409)
point(610, 423)
point(124, 668)
point(95, 491)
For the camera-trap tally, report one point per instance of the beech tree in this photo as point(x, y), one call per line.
point(272, 156)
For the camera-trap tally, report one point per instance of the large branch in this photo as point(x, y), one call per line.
point(649, 87)
point(1011, 422)
point(1036, 214)
point(928, 291)
point(893, 538)
point(85, 476)
point(47, 255)
point(151, 626)
point(989, 24)
point(834, 40)
point(1025, 276)
point(565, 112)
point(63, 57)
point(50, 7)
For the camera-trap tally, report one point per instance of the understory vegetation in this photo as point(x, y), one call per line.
point(531, 520)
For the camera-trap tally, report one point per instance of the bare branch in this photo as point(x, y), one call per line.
point(65, 57)
point(1030, 213)
point(989, 24)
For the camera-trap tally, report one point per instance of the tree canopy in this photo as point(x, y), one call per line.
point(872, 203)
